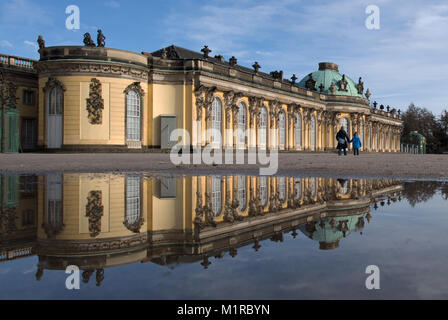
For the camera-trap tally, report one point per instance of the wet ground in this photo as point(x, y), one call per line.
point(373, 165)
point(136, 236)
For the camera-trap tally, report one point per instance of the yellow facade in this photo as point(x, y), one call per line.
point(115, 99)
point(173, 220)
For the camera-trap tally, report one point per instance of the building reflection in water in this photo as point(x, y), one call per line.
point(98, 221)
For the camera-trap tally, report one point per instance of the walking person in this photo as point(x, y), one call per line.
point(357, 144)
point(343, 140)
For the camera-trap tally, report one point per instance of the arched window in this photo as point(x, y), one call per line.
point(298, 187)
point(369, 137)
point(133, 197)
point(282, 129)
point(133, 116)
point(242, 125)
point(343, 187)
point(384, 140)
point(55, 101)
point(313, 132)
point(298, 130)
point(53, 222)
point(361, 133)
point(313, 187)
point(264, 191)
point(377, 141)
point(263, 127)
point(344, 123)
point(282, 189)
point(242, 193)
point(390, 140)
point(217, 122)
point(216, 196)
point(55, 104)
point(133, 214)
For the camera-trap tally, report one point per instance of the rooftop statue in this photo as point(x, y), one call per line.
point(88, 42)
point(101, 39)
point(41, 42)
point(360, 86)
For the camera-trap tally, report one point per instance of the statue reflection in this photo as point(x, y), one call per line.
point(99, 221)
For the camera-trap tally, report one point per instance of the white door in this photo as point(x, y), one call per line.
point(55, 105)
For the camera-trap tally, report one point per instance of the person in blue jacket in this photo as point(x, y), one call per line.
point(357, 144)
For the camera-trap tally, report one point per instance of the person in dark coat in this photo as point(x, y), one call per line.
point(343, 141)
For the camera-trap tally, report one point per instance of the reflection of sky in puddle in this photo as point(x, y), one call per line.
point(405, 239)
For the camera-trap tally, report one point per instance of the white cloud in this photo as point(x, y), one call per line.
point(32, 44)
point(404, 61)
point(24, 12)
point(113, 4)
point(5, 44)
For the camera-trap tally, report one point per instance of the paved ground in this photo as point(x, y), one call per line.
point(317, 164)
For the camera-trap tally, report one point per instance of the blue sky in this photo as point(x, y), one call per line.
point(403, 62)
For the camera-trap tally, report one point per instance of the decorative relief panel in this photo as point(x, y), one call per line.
point(94, 211)
point(95, 103)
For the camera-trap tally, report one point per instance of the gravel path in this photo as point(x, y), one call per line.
point(318, 164)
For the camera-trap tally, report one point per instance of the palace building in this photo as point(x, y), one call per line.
point(101, 221)
point(96, 98)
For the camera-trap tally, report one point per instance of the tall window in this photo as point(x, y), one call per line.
point(344, 123)
point(217, 122)
point(282, 129)
point(361, 134)
point(313, 187)
point(298, 187)
point(133, 203)
point(242, 124)
point(53, 222)
point(242, 193)
point(282, 189)
point(343, 187)
point(313, 132)
point(264, 191)
point(384, 140)
point(298, 130)
point(133, 116)
point(369, 137)
point(377, 141)
point(390, 140)
point(29, 97)
point(55, 101)
point(216, 196)
point(263, 127)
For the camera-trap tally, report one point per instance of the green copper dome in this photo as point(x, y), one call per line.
point(331, 230)
point(328, 80)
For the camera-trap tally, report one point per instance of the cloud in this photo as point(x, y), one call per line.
point(32, 44)
point(5, 44)
point(401, 62)
point(113, 4)
point(24, 12)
